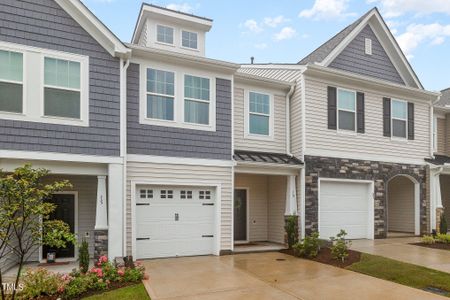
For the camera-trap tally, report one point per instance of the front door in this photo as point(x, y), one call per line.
point(240, 215)
point(65, 211)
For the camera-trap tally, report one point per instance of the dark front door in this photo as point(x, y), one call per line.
point(240, 215)
point(65, 211)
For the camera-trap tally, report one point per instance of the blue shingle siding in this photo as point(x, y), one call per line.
point(179, 142)
point(43, 24)
point(377, 65)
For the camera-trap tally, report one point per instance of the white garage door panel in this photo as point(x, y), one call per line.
point(160, 233)
point(344, 205)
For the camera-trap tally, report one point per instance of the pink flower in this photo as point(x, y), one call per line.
point(120, 272)
point(100, 273)
point(103, 259)
point(61, 289)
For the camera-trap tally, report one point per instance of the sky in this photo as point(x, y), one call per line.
point(284, 31)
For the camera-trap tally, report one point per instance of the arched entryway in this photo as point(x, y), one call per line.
point(403, 196)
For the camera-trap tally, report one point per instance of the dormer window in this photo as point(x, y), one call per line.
point(164, 34)
point(189, 40)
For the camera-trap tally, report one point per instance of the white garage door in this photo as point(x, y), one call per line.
point(174, 221)
point(345, 205)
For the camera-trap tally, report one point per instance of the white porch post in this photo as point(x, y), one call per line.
point(101, 214)
point(115, 209)
point(291, 197)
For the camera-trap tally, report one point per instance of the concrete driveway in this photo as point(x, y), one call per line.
point(402, 250)
point(265, 276)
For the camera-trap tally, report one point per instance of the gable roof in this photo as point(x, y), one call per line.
point(83, 16)
point(444, 102)
point(326, 53)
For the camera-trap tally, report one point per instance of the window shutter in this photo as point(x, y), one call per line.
point(332, 108)
point(360, 112)
point(410, 121)
point(387, 117)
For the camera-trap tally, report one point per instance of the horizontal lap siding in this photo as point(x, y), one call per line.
point(179, 142)
point(401, 205)
point(441, 136)
point(277, 205)
point(43, 24)
point(378, 65)
point(278, 145)
point(296, 120)
point(319, 137)
point(160, 172)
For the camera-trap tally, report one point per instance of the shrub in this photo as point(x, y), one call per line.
point(79, 285)
point(309, 247)
point(291, 228)
point(41, 282)
point(443, 238)
point(443, 225)
point(428, 239)
point(84, 256)
point(339, 249)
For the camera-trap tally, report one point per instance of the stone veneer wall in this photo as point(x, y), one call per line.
point(100, 243)
point(379, 172)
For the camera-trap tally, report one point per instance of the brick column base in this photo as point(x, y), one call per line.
point(100, 243)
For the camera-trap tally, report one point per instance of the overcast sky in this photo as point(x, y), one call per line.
point(285, 31)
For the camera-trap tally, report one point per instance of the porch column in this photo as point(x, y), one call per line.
point(101, 214)
point(115, 210)
point(291, 197)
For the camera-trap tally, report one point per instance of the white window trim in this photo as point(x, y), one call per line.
point(397, 138)
point(211, 115)
point(162, 95)
point(33, 83)
point(12, 48)
point(181, 40)
point(346, 131)
point(247, 133)
point(178, 113)
point(164, 43)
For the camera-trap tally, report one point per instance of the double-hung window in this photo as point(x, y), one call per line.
point(160, 94)
point(259, 114)
point(164, 34)
point(11, 81)
point(189, 39)
point(346, 110)
point(62, 88)
point(197, 98)
point(399, 118)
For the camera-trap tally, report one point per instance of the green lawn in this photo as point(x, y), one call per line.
point(400, 272)
point(134, 292)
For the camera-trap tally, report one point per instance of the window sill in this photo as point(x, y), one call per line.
point(346, 132)
point(175, 124)
point(164, 44)
point(399, 140)
point(251, 136)
point(43, 119)
point(190, 49)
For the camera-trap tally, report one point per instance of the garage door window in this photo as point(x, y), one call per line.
point(146, 194)
point(166, 194)
point(186, 194)
point(205, 195)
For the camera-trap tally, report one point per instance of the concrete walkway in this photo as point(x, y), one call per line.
point(265, 276)
point(402, 250)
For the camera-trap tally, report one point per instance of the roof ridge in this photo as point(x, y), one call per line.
point(177, 11)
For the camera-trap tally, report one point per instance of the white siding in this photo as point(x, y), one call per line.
point(445, 192)
point(146, 172)
point(441, 136)
point(277, 205)
point(401, 205)
point(278, 144)
point(296, 120)
point(257, 186)
point(320, 138)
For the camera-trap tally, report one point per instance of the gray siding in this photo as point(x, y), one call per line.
point(42, 23)
point(179, 142)
point(378, 65)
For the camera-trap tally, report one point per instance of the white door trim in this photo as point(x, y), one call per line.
point(177, 182)
point(247, 240)
point(371, 221)
point(75, 258)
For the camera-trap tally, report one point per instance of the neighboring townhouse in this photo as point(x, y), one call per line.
point(60, 109)
point(440, 164)
point(361, 122)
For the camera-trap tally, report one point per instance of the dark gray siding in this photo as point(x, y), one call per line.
point(378, 65)
point(42, 23)
point(179, 142)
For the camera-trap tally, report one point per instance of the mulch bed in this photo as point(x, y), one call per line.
point(326, 258)
point(62, 263)
point(441, 246)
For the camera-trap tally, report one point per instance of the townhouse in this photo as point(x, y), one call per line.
point(171, 153)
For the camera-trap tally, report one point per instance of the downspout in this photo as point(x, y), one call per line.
point(124, 64)
point(288, 120)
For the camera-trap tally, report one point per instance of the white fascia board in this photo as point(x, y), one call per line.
point(175, 57)
point(179, 160)
point(86, 19)
point(274, 66)
point(51, 156)
point(266, 82)
point(315, 70)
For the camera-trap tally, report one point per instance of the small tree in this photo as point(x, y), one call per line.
point(83, 254)
point(291, 228)
point(339, 249)
point(28, 225)
point(443, 225)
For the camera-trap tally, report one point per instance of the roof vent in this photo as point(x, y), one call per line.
point(252, 60)
point(368, 46)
